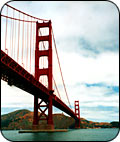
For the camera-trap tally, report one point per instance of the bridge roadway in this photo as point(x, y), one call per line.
point(16, 75)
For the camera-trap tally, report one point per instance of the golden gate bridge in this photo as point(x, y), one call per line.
point(30, 61)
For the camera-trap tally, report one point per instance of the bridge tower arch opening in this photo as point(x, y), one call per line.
point(41, 52)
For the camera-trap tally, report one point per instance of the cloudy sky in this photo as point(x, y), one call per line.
point(87, 41)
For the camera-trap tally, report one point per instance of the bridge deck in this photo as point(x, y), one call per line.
point(16, 75)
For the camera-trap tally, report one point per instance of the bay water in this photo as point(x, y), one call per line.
point(72, 135)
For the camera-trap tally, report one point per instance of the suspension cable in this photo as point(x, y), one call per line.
point(18, 19)
point(56, 87)
point(26, 14)
point(60, 67)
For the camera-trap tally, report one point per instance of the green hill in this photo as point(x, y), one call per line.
point(22, 119)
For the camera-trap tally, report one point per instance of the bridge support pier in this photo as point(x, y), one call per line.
point(49, 118)
point(77, 124)
point(35, 117)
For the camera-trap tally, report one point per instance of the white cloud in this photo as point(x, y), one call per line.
point(15, 97)
point(80, 69)
point(93, 96)
point(100, 116)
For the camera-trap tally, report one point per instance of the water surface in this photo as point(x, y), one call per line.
point(71, 135)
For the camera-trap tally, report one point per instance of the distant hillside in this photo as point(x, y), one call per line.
point(17, 119)
point(22, 119)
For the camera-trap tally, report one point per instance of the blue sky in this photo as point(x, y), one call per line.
point(87, 38)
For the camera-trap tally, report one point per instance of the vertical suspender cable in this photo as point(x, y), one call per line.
point(14, 41)
point(26, 45)
point(30, 44)
point(27, 42)
point(23, 40)
point(18, 38)
point(6, 31)
point(34, 45)
point(12, 36)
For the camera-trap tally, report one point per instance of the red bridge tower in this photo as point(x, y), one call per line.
point(44, 71)
point(77, 113)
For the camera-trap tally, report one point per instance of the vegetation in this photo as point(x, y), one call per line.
point(115, 124)
point(22, 119)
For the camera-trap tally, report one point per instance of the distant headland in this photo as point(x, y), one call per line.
point(22, 119)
